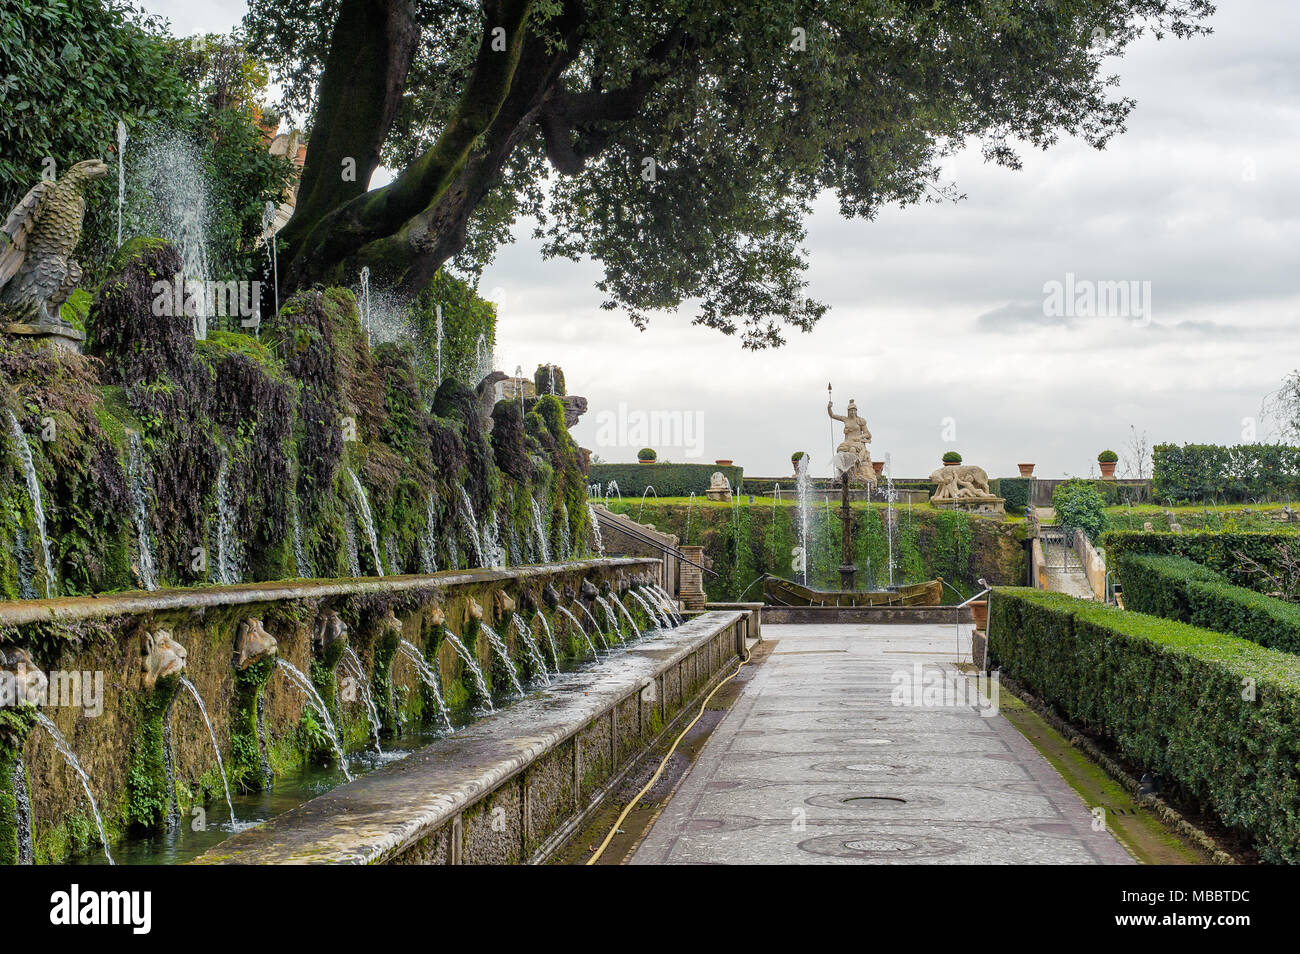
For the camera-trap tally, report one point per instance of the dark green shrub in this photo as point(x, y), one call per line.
point(1107, 457)
point(1014, 490)
point(951, 457)
point(647, 453)
point(1157, 585)
point(1209, 472)
point(1079, 506)
point(1216, 716)
point(668, 480)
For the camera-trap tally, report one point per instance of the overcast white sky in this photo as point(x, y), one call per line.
point(937, 311)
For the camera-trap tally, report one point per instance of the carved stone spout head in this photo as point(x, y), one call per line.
point(163, 658)
point(475, 611)
point(329, 635)
point(436, 617)
point(504, 604)
point(551, 596)
point(254, 644)
point(588, 591)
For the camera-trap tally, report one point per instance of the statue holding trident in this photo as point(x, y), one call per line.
point(856, 439)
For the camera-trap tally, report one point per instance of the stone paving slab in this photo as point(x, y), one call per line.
point(814, 764)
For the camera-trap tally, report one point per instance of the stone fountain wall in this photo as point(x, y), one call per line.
point(109, 634)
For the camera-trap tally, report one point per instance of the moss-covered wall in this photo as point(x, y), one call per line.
point(744, 541)
point(292, 435)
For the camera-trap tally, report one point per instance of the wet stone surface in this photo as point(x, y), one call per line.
point(815, 764)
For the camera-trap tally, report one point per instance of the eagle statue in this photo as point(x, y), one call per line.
point(37, 272)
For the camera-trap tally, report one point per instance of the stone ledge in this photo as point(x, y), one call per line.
point(104, 606)
point(498, 790)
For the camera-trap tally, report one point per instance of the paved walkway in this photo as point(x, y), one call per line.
point(1065, 574)
point(815, 765)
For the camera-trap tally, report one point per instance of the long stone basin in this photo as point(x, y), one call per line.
point(509, 788)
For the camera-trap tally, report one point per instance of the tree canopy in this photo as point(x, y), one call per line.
point(680, 143)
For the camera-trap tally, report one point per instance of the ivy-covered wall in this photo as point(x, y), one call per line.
point(742, 542)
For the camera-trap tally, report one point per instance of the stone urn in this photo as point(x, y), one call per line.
point(878, 466)
point(1026, 470)
point(1107, 469)
point(722, 463)
point(980, 612)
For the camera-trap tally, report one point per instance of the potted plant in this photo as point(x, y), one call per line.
point(723, 463)
point(646, 455)
point(795, 458)
point(951, 457)
point(1026, 470)
point(1107, 460)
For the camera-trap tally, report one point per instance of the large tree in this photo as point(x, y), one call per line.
point(679, 143)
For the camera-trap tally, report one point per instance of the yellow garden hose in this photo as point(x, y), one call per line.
point(664, 764)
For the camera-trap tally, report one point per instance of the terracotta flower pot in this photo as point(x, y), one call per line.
point(723, 463)
point(980, 611)
point(1107, 469)
point(642, 460)
point(1026, 470)
point(878, 466)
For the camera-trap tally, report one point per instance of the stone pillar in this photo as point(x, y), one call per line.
point(691, 578)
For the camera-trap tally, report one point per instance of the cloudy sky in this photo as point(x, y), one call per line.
point(937, 324)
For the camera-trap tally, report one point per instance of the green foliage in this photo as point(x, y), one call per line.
point(1015, 491)
point(466, 319)
point(668, 480)
point(647, 453)
point(1107, 457)
point(71, 70)
point(1214, 472)
point(882, 93)
point(951, 457)
point(1218, 551)
point(1173, 699)
point(1177, 588)
point(1079, 506)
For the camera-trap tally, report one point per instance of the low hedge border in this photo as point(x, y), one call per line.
point(1177, 588)
point(1216, 716)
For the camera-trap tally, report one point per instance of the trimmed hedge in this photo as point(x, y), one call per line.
point(1210, 548)
point(668, 480)
point(1177, 588)
point(1157, 585)
point(1169, 697)
point(1195, 472)
point(1015, 492)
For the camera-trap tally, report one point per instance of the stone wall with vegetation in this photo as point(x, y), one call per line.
point(743, 541)
point(293, 435)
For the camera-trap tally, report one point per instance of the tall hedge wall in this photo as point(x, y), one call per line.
point(1215, 716)
point(668, 480)
point(1177, 588)
point(1196, 472)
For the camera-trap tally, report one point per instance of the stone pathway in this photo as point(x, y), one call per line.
point(1064, 572)
point(815, 765)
